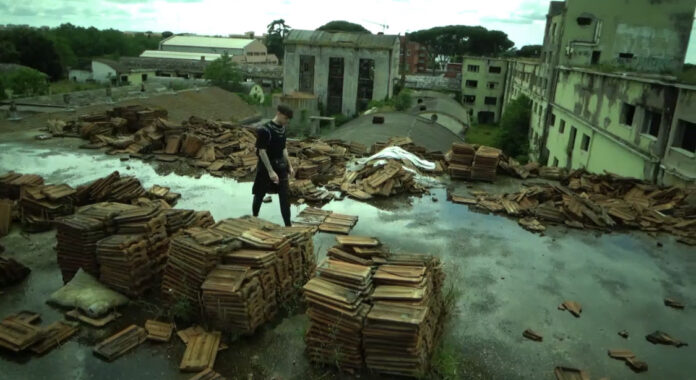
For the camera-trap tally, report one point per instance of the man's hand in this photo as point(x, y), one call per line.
point(292, 171)
point(274, 177)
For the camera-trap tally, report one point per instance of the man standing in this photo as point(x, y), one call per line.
point(273, 168)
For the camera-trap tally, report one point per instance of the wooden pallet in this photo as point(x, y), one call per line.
point(120, 343)
point(95, 322)
point(17, 335)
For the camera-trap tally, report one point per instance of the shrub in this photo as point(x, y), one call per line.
point(514, 138)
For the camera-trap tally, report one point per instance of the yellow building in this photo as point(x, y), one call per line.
point(483, 86)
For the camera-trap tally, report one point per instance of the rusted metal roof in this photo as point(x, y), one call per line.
point(341, 39)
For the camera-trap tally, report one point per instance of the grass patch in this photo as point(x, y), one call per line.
point(445, 362)
point(65, 86)
point(484, 134)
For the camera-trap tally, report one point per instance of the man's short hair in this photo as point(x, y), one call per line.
point(285, 110)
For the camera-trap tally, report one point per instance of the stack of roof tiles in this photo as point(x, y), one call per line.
point(327, 221)
point(402, 327)
point(11, 184)
point(485, 164)
point(178, 219)
point(192, 255)
point(370, 308)
point(336, 311)
point(41, 204)
point(124, 264)
point(460, 160)
point(114, 188)
point(232, 298)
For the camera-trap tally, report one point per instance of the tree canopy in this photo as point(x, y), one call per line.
point(277, 31)
point(515, 127)
point(530, 51)
point(54, 50)
point(458, 40)
point(342, 26)
point(223, 73)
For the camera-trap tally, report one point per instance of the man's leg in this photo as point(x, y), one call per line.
point(256, 205)
point(284, 199)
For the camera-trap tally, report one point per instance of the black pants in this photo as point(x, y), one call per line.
point(283, 197)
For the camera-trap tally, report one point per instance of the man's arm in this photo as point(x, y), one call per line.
point(267, 163)
point(287, 159)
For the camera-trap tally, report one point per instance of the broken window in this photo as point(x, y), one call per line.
point(584, 21)
point(561, 128)
point(571, 139)
point(595, 56)
point(555, 162)
point(335, 86)
point(366, 79)
point(627, 113)
point(492, 85)
point(553, 119)
point(469, 99)
point(685, 136)
point(651, 123)
point(486, 117)
point(490, 100)
point(307, 73)
point(494, 69)
point(473, 68)
point(626, 55)
point(585, 143)
point(472, 83)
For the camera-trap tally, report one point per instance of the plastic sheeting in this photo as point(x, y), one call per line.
point(88, 294)
point(396, 153)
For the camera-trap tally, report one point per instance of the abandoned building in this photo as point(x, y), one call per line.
point(117, 73)
point(482, 87)
point(250, 51)
point(633, 122)
point(344, 70)
point(413, 57)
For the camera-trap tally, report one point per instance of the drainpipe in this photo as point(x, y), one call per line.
point(594, 42)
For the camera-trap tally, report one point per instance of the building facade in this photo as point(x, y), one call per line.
point(599, 100)
point(344, 70)
point(413, 57)
point(640, 35)
point(483, 87)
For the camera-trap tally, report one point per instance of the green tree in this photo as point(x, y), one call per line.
point(277, 31)
point(33, 49)
point(224, 73)
point(167, 34)
point(342, 26)
point(24, 82)
point(531, 51)
point(447, 43)
point(514, 139)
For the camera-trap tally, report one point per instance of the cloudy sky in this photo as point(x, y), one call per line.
point(522, 20)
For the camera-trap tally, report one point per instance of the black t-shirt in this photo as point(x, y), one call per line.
point(271, 137)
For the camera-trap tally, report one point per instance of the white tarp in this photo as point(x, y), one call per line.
point(396, 153)
point(88, 294)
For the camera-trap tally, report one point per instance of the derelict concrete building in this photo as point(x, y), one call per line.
point(344, 70)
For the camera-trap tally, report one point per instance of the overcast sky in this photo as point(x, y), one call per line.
point(522, 20)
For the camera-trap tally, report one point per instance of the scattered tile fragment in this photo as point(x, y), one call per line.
point(120, 343)
point(636, 365)
point(533, 335)
point(623, 334)
point(267, 199)
point(565, 373)
point(660, 337)
point(671, 302)
point(572, 306)
point(159, 331)
point(621, 354)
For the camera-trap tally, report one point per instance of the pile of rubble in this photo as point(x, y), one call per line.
point(239, 270)
point(472, 162)
point(369, 308)
point(603, 202)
